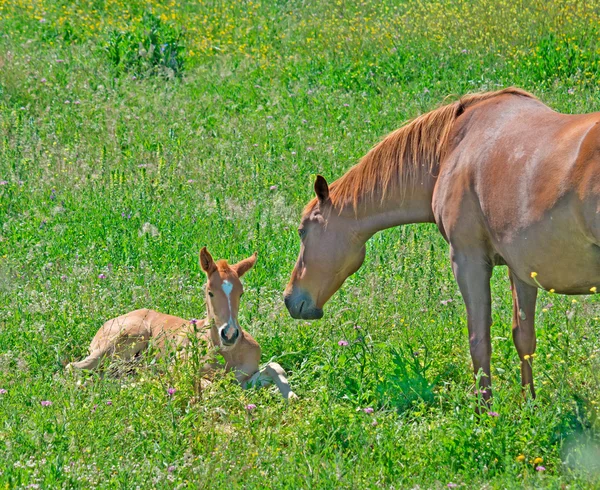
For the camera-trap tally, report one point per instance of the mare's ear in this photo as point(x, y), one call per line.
point(245, 265)
point(322, 189)
point(206, 262)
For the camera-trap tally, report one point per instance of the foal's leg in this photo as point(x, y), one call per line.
point(277, 374)
point(524, 298)
point(124, 347)
point(473, 272)
point(90, 362)
point(210, 367)
point(128, 347)
point(272, 373)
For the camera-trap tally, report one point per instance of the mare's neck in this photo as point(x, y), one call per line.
point(399, 207)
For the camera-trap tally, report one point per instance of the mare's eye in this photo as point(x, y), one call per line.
point(301, 232)
point(210, 293)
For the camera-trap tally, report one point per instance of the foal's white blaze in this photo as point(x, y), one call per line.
point(227, 287)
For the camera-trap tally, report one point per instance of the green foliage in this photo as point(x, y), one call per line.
point(102, 174)
point(407, 382)
point(562, 58)
point(150, 47)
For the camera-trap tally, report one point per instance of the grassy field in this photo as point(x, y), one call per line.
point(134, 133)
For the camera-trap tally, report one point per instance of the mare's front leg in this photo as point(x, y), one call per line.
point(524, 298)
point(473, 271)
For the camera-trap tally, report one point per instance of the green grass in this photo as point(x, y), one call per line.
point(254, 95)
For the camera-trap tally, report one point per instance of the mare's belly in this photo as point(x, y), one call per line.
point(561, 256)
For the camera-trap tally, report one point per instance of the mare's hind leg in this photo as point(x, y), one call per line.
point(473, 272)
point(524, 298)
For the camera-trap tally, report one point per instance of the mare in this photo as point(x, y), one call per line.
point(507, 180)
point(127, 336)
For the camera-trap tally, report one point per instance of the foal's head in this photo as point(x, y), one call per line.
point(332, 248)
point(223, 292)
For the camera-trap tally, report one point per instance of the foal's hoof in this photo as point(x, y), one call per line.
point(292, 396)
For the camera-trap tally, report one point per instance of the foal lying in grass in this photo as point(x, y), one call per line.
point(128, 335)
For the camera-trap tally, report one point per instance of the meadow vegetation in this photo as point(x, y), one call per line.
point(133, 133)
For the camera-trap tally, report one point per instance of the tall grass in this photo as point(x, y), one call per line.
point(117, 165)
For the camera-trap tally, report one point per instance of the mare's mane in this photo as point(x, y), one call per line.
point(416, 147)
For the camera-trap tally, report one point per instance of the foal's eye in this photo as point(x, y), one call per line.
point(301, 232)
point(210, 293)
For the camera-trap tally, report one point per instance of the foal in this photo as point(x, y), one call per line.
point(128, 335)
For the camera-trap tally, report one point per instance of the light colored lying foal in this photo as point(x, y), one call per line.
point(128, 335)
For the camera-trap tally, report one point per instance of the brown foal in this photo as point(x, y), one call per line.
point(507, 180)
point(128, 335)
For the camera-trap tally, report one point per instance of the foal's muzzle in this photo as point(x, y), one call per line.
point(229, 334)
point(301, 306)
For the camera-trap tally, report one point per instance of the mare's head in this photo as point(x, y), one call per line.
point(223, 292)
point(331, 250)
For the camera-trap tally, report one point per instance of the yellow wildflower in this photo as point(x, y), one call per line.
point(534, 275)
point(520, 458)
point(538, 460)
point(593, 290)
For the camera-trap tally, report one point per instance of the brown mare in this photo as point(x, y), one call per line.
point(128, 335)
point(507, 180)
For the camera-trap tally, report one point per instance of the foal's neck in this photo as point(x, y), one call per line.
point(211, 321)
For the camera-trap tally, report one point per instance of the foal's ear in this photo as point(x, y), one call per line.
point(322, 189)
point(206, 261)
point(245, 265)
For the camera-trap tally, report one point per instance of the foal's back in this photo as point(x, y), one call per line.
point(127, 335)
point(143, 325)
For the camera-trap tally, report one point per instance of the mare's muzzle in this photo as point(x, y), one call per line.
point(301, 306)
